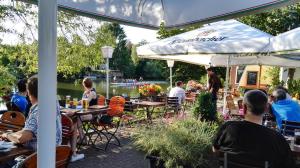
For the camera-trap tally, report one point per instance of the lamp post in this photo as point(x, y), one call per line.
point(107, 52)
point(170, 65)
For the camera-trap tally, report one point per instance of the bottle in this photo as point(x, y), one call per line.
point(68, 99)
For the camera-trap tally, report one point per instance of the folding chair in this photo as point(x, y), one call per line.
point(63, 155)
point(116, 109)
point(101, 100)
point(128, 116)
point(12, 120)
point(230, 160)
point(288, 127)
point(172, 104)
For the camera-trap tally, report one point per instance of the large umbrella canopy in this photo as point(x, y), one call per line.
point(213, 44)
point(174, 13)
point(286, 45)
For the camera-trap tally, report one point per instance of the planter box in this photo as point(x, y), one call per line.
point(155, 162)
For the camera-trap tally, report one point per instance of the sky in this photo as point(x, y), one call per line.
point(134, 34)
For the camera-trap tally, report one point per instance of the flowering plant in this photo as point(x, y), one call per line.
point(150, 90)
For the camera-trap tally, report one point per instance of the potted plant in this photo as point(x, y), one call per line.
point(204, 108)
point(150, 91)
point(184, 143)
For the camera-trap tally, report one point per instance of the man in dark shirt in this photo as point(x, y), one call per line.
point(214, 84)
point(249, 139)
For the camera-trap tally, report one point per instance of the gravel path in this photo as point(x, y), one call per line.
point(125, 156)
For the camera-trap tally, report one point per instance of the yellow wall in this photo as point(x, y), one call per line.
point(264, 80)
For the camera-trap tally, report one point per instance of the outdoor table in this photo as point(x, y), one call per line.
point(13, 153)
point(88, 125)
point(149, 106)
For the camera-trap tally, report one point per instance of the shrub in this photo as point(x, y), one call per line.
point(186, 143)
point(204, 108)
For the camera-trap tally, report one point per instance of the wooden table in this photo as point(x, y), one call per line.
point(147, 105)
point(13, 153)
point(88, 124)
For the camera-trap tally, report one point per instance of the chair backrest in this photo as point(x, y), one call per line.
point(12, 120)
point(63, 154)
point(116, 105)
point(229, 160)
point(288, 127)
point(67, 129)
point(101, 100)
point(128, 107)
point(172, 101)
point(230, 103)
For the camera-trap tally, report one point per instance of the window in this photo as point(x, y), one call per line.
point(252, 78)
point(239, 73)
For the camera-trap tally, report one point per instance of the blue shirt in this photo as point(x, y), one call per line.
point(20, 101)
point(286, 110)
point(31, 124)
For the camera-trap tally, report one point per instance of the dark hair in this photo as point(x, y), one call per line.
point(87, 82)
point(32, 86)
point(279, 94)
point(281, 87)
point(256, 101)
point(179, 83)
point(22, 85)
point(210, 69)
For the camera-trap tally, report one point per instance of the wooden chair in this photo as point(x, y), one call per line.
point(67, 129)
point(230, 160)
point(101, 100)
point(288, 127)
point(116, 110)
point(63, 154)
point(12, 120)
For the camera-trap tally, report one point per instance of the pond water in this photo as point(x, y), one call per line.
point(76, 90)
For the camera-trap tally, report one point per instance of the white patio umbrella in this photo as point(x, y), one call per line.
point(174, 13)
point(142, 13)
point(286, 45)
point(224, 43)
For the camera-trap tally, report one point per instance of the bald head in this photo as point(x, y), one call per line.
point(255, 102)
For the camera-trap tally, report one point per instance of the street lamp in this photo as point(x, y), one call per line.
point(170, 65)
point(107, 52)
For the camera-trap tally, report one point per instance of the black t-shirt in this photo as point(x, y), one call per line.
point(256, 142)
point(214, 84)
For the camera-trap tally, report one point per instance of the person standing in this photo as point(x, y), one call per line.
point(214, 84)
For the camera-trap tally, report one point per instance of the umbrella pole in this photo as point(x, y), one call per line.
point(226, 86)
point(47, 84)
point(259, 79)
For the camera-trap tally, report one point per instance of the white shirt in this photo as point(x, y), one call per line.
point(178, 92)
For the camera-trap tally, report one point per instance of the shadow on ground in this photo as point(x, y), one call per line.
point(125, 156)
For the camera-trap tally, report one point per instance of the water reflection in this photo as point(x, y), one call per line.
point(75, 90)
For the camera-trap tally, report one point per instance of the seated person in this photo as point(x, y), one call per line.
point(19, 101)
point(28, 135)
point(284, 108)
point(89, 92)
point(178, 91)
point(250, 139)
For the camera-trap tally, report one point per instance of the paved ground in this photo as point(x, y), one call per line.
point(125, 156)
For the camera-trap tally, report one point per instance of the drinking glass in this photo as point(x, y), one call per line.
point(75, 102)
point(68, 99)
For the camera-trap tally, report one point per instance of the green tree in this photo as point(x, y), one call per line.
point(121, 59)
